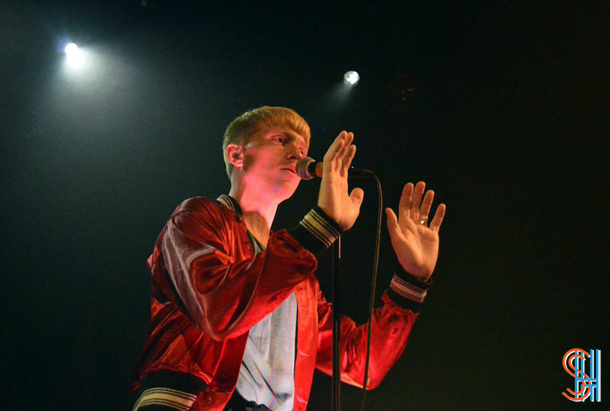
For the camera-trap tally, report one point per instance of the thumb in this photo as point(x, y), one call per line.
point(357, 196)
point(392, 222)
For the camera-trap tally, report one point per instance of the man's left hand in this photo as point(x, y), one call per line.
point(414, 242)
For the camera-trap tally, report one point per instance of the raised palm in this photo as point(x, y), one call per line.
point(414, 241)
point(333, 198)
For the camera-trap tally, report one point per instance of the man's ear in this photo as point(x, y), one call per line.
point(234, 154)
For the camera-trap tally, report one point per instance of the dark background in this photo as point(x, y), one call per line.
point(502, 108)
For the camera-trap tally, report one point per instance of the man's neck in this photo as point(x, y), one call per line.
point(258, 211)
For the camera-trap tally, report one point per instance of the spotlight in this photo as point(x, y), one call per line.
point(71, 49)
point(351, 78)
point(75, 56)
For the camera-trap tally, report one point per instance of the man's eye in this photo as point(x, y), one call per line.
point(280, 139)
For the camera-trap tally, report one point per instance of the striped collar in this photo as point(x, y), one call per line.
point(230, 203)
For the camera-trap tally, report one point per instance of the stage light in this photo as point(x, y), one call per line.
point(351, 78)
point(71, 49)
point(74, 55)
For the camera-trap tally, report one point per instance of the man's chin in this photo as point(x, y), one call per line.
point(287, 190)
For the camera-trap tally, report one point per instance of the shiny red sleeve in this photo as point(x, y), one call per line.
point(222, 286)
point(390, 330)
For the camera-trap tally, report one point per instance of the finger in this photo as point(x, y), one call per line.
point(347, 141)
point(340, 157)
point(426, 205)
point(336, 162)
point(335, 146)
point(435, 225)
point(393, 227)
point(357, 196)
point(416, 200)
point(405, 201)
point(349, 138)
point(347, 160)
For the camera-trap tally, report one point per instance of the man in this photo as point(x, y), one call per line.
point(238, 320)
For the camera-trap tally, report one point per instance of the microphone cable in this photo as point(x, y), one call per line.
point(373, 285)
point(303, 171)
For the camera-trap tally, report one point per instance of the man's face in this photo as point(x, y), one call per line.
point(270, 158)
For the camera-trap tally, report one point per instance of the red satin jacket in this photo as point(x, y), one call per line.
point(209, 288)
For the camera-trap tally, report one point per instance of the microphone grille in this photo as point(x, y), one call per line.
point(302, 168)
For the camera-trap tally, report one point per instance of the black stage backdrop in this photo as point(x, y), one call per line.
point(502, 108)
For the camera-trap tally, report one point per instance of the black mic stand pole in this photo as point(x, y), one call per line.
point(336, 385)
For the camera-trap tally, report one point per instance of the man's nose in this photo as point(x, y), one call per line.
point(294, 152)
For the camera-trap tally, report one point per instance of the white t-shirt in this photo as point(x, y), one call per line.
point(267, 370)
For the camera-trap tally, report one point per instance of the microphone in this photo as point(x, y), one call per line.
point(308, 168)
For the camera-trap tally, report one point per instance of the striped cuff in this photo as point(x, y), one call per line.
point(317, 231)
point(407, 291)
point(165, 398)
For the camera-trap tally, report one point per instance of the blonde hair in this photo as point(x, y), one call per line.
point(245, 126)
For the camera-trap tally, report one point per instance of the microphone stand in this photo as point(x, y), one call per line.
point(336, 295)
point(307, 169)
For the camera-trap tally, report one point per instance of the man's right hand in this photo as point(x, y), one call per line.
point(333, 198)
